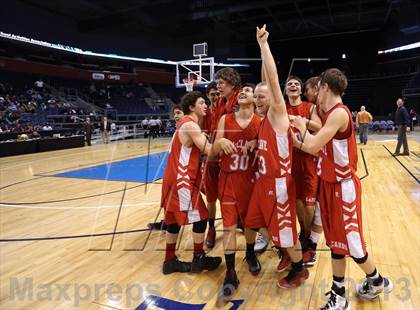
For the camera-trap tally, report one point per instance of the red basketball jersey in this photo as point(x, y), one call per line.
point(274, 151)
point(221, 107)
point(238, 162)
point(338, 158)
point(181, 172)
point(206, 124)
point(304, 165)
point(304, 110)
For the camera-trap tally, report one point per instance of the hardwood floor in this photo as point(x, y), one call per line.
point(81, 243)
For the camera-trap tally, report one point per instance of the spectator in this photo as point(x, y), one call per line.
point(413, 118)
point(159, 126)
point(47, 127)
point(88, 129)
point(402, 120)
point(13, 107)
point(145, 123)
point(92, 88)
point(154, 127)
point(32, 105)
point(363, 118)
point(39, 84)
point(354, 115)
point(105, 127)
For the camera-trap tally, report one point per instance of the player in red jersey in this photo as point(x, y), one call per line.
point(303, 168)
point(237, 172)
point(228, 83)
point(311, 92)
point(211, 194)
point(213, 96)
point(272, 203)
point(262, 98)
point(340, 190)
point(182, 199)
point(178, 115)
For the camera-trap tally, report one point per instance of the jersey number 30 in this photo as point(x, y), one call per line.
point(239, 162)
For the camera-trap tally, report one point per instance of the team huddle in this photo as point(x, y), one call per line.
point(269, 163)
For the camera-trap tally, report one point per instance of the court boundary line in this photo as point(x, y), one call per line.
point(365, 164)
point(42, 174)
point(71, 199)
point(27, 206)
point(73, 236)
point(54, 157)
point(76, 198)
point(84, 235)
point(406, 169)
point(110, 163)
point(116, 222)
point(103, 162)
point(134, 141)
point(417, 155)
point(89, 179)
point(20, 182)
point(87, 165)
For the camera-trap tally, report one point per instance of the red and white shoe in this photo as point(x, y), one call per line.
point(284, 264)
point(293, 279)
point(309, 257)
point(211, 238)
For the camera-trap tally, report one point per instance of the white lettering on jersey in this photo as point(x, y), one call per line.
point(262, 145)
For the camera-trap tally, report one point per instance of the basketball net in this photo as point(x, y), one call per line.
point(189, 84)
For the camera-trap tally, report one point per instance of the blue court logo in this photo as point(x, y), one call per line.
point(169, 304)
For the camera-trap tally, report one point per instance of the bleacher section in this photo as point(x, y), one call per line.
point(65, 101)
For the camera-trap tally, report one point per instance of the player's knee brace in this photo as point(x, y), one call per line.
point(200, 227)
point(317, 215)
point(360, 260)
point(337, 256)
point(173, 228)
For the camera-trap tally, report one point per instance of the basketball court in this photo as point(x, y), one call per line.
point(74, 222)
point(74, 235)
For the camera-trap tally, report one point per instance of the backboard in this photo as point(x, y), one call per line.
point(201, 70)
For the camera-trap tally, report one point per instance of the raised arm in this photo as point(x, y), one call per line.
point(338, 120)
point(270, 71)
point(263, 73)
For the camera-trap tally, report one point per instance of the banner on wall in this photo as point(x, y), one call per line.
point(114, 77)
point(98, 76)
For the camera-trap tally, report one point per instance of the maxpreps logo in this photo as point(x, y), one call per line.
point(164, 303)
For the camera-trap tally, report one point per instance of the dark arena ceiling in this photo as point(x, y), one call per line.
point(163, 28)
point(288, 18)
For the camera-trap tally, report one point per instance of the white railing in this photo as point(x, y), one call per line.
point(121, 132)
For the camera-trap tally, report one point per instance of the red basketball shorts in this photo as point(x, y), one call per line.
point(183, 207)
point(341, 214)
point(306, 179)
point(235, 191)
point(211, 178)
point(272, 205)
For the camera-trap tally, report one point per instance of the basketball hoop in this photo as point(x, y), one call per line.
point(189, 84)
